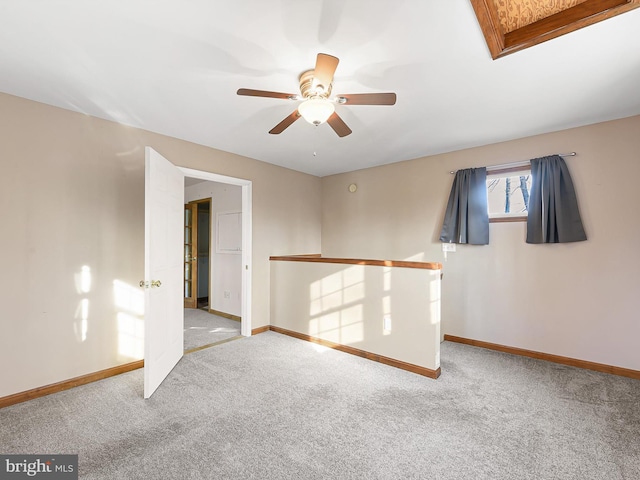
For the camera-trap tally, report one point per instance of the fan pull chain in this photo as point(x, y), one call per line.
point(315, 141)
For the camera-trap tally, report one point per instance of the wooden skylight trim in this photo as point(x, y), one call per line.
point(567, 21)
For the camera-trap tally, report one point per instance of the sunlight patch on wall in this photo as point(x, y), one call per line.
point(336, 314)
point(335, 290)
point(83, 280)
point(386, 314)
point(353, 293)
point(344, 326)
point(352, 330)
point(83, 287)
point(81, 325)
point(130, 336)
point(386, 300)
point(386, 278)
point(129, 300)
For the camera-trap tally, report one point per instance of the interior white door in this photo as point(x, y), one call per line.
point(164, 314)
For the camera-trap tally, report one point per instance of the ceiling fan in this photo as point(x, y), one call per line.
point(317, 104)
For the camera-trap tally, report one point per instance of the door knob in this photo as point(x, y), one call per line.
point(151, 284)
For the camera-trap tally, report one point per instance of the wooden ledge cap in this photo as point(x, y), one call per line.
point(358, 261)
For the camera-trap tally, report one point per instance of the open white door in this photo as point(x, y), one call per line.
point(163, 318)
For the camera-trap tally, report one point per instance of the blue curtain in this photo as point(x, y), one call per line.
point(553, 208)
point(466, 219)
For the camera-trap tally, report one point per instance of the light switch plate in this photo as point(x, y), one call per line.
point(448, 247)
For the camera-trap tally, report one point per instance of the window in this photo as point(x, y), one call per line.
point(508, 194)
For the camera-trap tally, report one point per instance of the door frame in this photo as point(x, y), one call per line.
point(247, 239)
point(192, 300)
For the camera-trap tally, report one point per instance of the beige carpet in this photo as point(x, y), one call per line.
point(271, 407)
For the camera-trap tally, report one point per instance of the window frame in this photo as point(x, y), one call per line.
point(566, 21)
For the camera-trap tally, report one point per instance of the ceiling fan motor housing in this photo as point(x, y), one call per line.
point(309, 89)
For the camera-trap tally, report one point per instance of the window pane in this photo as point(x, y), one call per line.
point(509, 195)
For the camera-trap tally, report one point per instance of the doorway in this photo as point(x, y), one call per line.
point(218, 296)
point(212, 263)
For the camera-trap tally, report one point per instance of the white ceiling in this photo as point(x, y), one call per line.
point(173, 67)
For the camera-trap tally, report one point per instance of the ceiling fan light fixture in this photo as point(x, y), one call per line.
point(317, 105)
point(316, 110)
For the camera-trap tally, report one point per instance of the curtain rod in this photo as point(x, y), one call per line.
point(521, 163)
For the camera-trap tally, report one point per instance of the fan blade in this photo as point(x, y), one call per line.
point(325, 68)
point(338, 125)
point(264, 93)
point(279, 128)
point(369, 98)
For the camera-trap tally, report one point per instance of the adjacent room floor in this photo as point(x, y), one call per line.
point(204, 328)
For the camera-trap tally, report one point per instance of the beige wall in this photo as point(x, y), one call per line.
point(72, 196)
point(578, 300)
point(347, 304)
